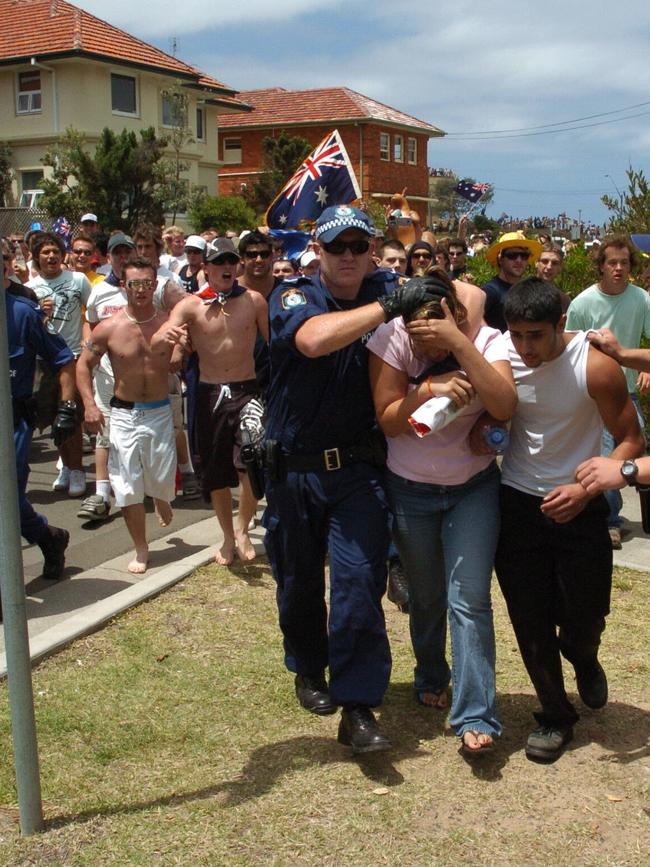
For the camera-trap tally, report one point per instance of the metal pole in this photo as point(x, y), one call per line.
point(12, 587)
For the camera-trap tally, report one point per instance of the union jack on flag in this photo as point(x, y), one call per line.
point(63, 229)
point(324, 178)
point(471, 191)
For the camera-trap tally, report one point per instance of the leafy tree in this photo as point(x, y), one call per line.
point(578, 271)
point(631, 211)
point(449, 205)
point(281, 156)
point(6, 172)
point(221, 212)
point(376, 212)
point(174, 190)
point(123, 181)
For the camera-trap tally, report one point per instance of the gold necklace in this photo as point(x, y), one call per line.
point(140, 321)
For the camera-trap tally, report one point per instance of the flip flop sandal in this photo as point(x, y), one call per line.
point(477, 751)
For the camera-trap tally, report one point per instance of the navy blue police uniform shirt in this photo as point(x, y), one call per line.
point(318, 403)
point(28, 338)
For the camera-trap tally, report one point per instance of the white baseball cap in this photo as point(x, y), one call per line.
point(196, 242)
point(89, 218)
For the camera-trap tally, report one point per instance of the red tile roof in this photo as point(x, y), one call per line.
point(275, 106)
point(47, 28)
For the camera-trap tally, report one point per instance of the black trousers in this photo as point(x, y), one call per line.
point(556, 580)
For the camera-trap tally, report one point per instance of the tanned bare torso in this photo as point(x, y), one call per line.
point(223, 335)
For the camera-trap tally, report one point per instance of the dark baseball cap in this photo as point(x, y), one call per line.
point(338, 218)
point(119, 239)
point(219, 248)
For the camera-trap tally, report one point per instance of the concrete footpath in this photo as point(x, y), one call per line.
point(59, 613)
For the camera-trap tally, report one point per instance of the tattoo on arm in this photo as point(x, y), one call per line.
point(92, 347)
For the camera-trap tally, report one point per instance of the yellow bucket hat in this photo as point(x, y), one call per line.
point(513, 239)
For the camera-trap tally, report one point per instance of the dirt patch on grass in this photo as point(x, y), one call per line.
point(173, 737)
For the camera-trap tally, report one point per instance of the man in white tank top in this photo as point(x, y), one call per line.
point(554, 559)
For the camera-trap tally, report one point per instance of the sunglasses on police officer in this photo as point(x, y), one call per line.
point(337, 247)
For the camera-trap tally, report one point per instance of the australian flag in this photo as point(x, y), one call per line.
point(471, 191)
point(325, 178)
point(63, 229)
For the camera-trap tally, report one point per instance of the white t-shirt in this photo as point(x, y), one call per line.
point(70, 292)
point(556, 424)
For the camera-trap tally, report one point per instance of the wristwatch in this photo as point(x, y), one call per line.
point(629, 471)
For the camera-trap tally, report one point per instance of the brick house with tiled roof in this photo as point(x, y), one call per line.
point(387, 148)
point(61, 66)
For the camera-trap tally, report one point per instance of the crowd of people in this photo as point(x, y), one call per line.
point(368, 377)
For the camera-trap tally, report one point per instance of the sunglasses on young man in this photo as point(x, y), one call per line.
point(420, 255)
point(254, 254)
point(139, 284)
point(338, 247)
point(516, 254)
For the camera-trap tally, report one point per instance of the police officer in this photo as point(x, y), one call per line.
point(324, 460)
point(28, 338)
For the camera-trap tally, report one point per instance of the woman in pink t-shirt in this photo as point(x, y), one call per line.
point(445, 498)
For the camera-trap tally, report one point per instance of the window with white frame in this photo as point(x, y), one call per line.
point(28, 98)
point(232, 151)
point(200, 124)
point(398, 148)
point(124, 94)
point(384, 146)
point(412, 153)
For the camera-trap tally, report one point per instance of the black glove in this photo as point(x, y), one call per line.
point(65, 423)
point(410, 296)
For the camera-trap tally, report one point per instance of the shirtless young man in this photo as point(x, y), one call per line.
point(223, 321)
point(142, 458)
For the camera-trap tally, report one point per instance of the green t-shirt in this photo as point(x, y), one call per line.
point(627, 315)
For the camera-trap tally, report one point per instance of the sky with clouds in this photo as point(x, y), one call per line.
point(466, 67)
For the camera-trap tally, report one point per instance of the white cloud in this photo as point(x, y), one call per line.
point(172, 18)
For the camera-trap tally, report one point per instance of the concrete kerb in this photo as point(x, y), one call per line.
point(92, 617)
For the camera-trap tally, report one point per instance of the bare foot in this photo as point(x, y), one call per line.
point(226, 554)
point(164, 512)
point(476, 742)
point(139, 563)
point(244, 547)
point(433, 699)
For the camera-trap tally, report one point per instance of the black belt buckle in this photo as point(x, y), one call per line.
point(332, 459)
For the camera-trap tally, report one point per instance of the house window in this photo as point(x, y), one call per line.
point(384, 146)
point(200, 127)
point(29, 180)
point(124, 94)
point(232, 151)
point(29, 92)
point(398, 149)
point(413, 151)
point(174, 110)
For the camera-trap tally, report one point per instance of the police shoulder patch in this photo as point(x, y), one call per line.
point(292, 298)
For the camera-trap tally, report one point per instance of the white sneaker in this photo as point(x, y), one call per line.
point(62, 481)
point(77, 487)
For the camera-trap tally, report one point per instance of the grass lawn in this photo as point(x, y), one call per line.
point(173, 737)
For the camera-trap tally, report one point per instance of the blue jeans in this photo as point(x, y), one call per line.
point(446, 537)
point(607, 446)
